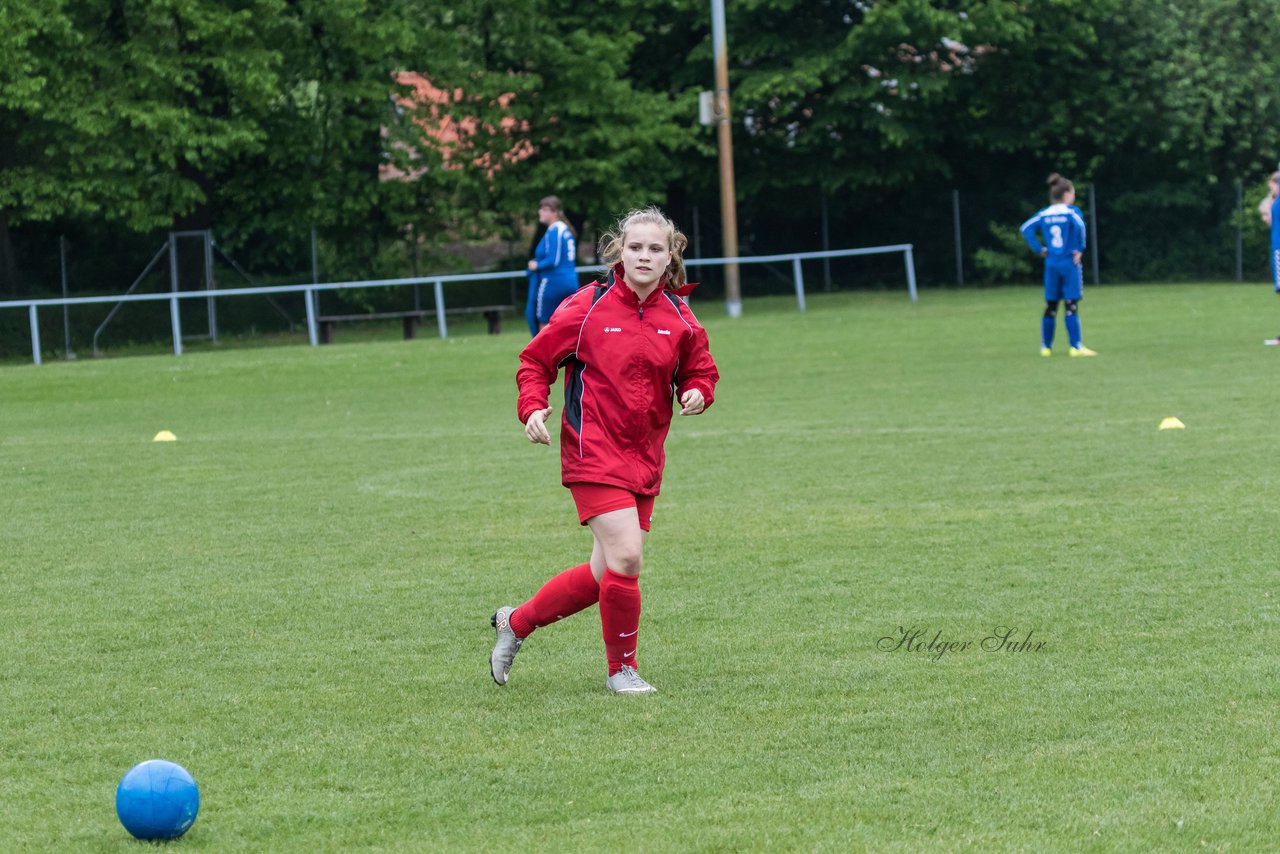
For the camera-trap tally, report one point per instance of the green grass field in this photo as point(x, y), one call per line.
point(292, 600)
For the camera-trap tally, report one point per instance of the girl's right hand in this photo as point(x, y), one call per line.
point(536, 427)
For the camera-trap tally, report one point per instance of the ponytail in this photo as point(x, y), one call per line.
point(557, 208)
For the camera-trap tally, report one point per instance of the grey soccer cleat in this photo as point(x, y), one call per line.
point(504, 651)
point(628, 681)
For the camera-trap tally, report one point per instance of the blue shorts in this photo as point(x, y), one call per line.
point(1063, 281)
point(1275, 268)
point(548, 293)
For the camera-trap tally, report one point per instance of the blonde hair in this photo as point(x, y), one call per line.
point(612, 240)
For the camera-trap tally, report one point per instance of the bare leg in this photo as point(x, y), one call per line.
point(617, 542)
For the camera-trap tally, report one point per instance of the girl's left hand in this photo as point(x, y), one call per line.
point(691, 402)
point(533, 265)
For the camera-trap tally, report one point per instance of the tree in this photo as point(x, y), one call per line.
point(855, 89)
point(553, 79)
point(332, 124)
point(158, 94)
point(271, 117)
point(1164, 105)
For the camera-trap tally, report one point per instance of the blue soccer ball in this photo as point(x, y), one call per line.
point(157, 800)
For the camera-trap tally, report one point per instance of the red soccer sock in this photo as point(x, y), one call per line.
point(564, 595)
point(620, 618)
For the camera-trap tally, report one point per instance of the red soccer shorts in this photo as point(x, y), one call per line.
point(592, 499)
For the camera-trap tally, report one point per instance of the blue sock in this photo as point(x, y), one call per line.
point(1073, 329)
point(1047, 325)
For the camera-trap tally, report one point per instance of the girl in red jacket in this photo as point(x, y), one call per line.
point(630, 348)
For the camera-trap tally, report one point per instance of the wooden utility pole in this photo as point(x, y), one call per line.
point(724, 132)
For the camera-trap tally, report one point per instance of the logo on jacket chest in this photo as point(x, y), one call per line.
point(619, 329)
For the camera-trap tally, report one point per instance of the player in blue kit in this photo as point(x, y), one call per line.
point(551, 274)
point(1061, 226)
point(1275, 247)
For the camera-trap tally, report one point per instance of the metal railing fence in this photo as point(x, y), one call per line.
point(309, 291)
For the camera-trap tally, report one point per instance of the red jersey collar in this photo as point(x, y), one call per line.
point(663, 285)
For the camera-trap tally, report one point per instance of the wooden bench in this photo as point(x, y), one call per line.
point(412, 319)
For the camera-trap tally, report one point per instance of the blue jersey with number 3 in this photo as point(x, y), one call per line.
point(1062, 229)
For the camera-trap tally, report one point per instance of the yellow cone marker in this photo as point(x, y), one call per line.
point(1172, 423)
point(166, 436)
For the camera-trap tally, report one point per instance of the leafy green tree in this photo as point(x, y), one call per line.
point(114, 109)
point(549, 91)
point(846, 95)
point(1217, 70)
point(332, 123)
point(266, 118)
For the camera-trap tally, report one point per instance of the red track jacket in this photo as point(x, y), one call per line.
point(626, 364)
